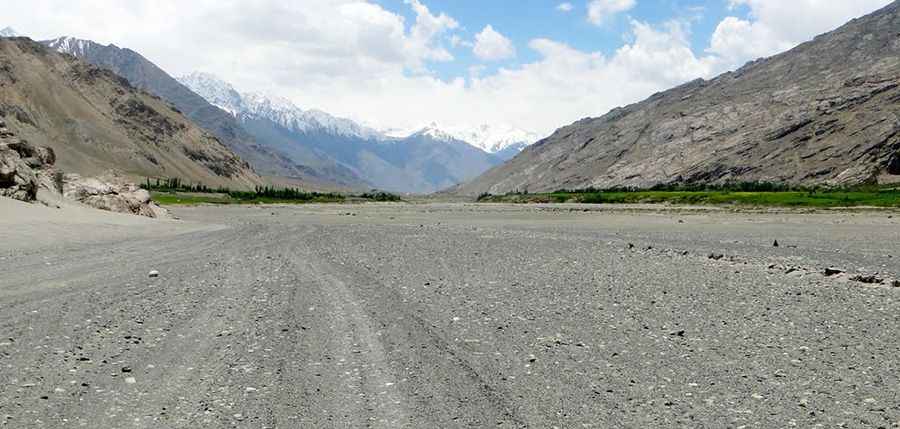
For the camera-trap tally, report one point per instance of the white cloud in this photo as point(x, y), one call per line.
point(356, 59)
point(600, 10)
point(490, 45)
point(777, 25)
point(565, 7)
point(426, 29)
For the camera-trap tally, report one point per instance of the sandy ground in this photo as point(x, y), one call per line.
point(447, 315)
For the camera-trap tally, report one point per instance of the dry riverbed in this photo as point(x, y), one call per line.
point(449, 315)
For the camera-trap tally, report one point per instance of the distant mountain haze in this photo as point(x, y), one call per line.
point(424, 161)
point(279, 139)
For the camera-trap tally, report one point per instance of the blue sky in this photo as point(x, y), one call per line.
point(524, 20)
point(407, 63)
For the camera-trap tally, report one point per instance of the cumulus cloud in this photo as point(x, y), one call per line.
point(490, 45)
point(565, 7)
point(777, 25)
point(600, 10)
point(354, 58)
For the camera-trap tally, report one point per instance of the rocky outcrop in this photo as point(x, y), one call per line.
point(27, 172)
point(111, 192)
point(22, 166)
point(824, 113)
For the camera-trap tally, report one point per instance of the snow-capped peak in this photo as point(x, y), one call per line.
point(495, 138)
point(434, 131)
point(70, 45)
point(489, 138)
point(8, 32)
point(272, 107)
point(216, 91)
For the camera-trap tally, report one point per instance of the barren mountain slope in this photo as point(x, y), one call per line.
point(96, 121)
point(826, 112)
point(145, 75)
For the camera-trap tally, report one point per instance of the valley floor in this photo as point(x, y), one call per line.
point(448, 315)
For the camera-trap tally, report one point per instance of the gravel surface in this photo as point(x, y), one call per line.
point(454, 315)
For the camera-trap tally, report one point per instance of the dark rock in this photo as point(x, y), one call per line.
point(868, 279)
point(775, 244)
point(716, 256)
point(830, 272)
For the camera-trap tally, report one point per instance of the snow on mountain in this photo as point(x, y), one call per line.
point(489, 138)
point(8, 32)
point(217, 92)
point(495, 137)
point(272, 107)
point(71, 46)
point(435, 132)
point(492, 139)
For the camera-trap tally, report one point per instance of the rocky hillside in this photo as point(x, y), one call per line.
point(96, 121)
point(826, 112)
point(144, 74)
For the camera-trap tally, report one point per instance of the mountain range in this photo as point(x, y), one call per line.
point(145, 75)
point(281, 140)
point(824, 113)
point(422, 161)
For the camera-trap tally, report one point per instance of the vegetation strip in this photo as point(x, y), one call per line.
point(750, 194)
point(174, 192)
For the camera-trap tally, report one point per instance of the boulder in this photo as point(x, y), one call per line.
point(113, 193)
point(17, 178)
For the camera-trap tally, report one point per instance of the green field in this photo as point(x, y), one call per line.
point(820, 198)
point(189, 198)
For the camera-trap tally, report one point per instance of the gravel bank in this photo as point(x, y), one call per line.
point(452, 315)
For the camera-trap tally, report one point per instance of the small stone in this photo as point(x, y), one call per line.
point(716, 256)
point(895, 283)
point(153, 274)
point(130, 380)
point(126, 369)
point(250, 389)
point(775, 244)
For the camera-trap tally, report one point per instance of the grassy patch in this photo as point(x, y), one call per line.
point(186, 198)
point(812, 198)
point(172, 191)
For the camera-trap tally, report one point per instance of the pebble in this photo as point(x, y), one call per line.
point(130, 380)
point(154, 274)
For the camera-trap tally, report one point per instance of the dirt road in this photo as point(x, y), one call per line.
point(451, 316)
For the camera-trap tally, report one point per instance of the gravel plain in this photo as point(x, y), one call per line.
point(451, 315)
